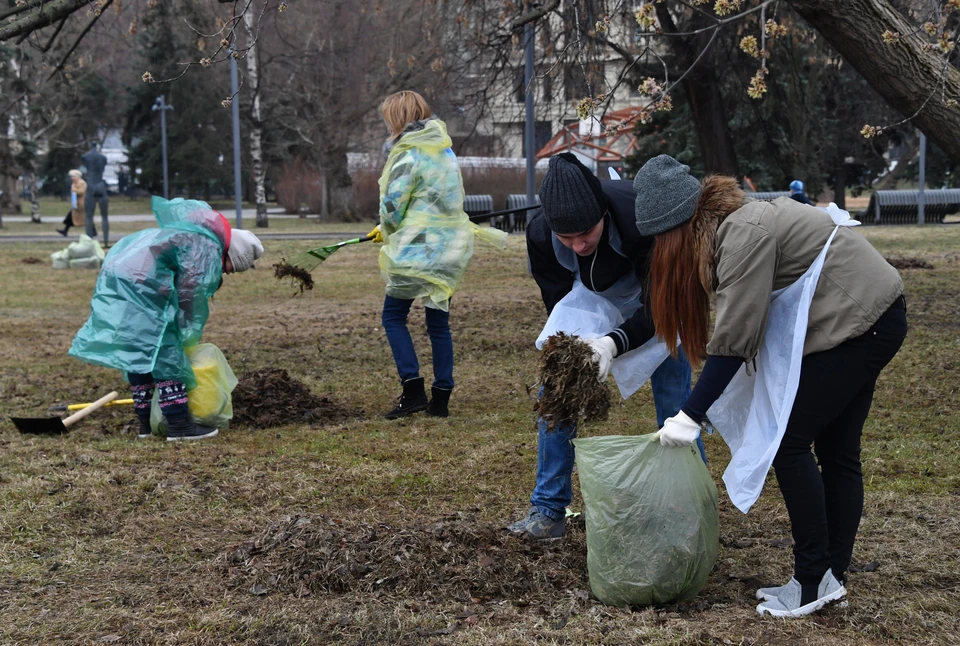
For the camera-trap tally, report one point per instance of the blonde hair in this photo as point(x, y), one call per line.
point(74, 173)
point(402, 108)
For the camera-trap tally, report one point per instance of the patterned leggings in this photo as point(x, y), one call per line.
point(172, 396)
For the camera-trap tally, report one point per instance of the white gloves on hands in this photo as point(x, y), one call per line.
point(604, 350)
point(679, 430)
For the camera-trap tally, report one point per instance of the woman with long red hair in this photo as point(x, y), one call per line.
point(807, 315)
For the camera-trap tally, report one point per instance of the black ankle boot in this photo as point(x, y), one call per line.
point(413, 399)
point(439, 402)
point(63, 231)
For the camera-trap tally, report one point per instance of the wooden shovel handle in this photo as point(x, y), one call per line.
point(79, 415)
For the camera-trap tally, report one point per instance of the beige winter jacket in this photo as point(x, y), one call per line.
point(765, 246)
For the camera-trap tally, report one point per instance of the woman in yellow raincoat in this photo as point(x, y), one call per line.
point(428, 243)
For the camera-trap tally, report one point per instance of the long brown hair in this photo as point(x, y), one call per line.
point(679, 304)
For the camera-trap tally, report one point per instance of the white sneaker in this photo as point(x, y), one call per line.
point(787, 602)
point(769, 594)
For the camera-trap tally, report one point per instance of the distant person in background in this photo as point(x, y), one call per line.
point(75, 216)
point(95, 163)
point(122, 182)
point(796, 193)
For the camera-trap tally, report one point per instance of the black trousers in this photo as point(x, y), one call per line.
point(833, 399)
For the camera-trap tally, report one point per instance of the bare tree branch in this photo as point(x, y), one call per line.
point(45, 14)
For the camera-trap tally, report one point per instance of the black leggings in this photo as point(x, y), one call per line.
point(833, 400)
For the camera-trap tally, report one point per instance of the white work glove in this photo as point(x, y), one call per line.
point(679, 430)
point(604, 350)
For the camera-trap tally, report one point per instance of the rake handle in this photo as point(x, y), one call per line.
point(79, 415)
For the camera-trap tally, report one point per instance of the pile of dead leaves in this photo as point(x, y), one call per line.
point(571, 392)
point(452, 558)
point(271, 397)
point(301, 277)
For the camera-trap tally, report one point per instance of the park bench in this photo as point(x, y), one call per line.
point(901, 207)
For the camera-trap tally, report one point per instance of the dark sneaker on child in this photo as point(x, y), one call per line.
point(189, 431)
point(788, 602)
point(538, 526)
point(144, 430)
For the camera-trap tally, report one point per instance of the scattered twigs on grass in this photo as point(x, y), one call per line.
point(571, 392)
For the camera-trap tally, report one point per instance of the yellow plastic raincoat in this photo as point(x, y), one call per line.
point(428, 239)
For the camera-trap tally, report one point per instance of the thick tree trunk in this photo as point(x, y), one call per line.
point(703, 96)
point(256, 130)
point(339, 199)
point(902, 73)
point(840, 184)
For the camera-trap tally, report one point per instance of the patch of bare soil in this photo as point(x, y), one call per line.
point(31, 260)
point(301, 277)
point(568, 376)
point(454, 558)
point(909, 263)
point(271, 397)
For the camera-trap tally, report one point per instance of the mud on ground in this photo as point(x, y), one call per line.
point(270, 398)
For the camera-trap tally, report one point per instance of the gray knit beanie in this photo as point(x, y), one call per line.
point(666, 195)
point(571, 196)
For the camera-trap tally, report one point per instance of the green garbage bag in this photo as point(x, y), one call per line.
point(652, 519)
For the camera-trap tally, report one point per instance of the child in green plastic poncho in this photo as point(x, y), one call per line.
point(428, 243)
point(150, 302)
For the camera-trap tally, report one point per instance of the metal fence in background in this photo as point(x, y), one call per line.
point(477, 204)
point(769, 196)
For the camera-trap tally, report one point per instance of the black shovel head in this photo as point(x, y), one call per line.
point(39, 425)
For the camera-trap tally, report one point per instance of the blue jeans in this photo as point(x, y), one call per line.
point(395, 312)
point(555, 454)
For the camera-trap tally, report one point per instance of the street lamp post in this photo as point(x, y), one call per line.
point(161, 105)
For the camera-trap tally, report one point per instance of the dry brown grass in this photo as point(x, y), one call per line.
point(106, 539)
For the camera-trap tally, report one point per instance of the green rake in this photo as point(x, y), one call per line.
point(310, 260)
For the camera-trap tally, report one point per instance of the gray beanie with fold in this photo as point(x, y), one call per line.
point(667, 195)
point(571, 196)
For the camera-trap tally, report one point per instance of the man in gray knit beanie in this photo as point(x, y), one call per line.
point(667, 195)
point(571, 195)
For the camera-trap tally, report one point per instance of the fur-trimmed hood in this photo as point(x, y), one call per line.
point(719, 197)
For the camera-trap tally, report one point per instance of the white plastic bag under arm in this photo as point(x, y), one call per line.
point(652, 519)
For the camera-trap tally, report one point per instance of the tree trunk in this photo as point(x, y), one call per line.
point(902, 73)
point(840, 184)
point(34, 199)
point(703, 96)
point(256, 129)
point(333, 164)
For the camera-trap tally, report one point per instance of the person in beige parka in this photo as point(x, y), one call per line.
point(710, 239)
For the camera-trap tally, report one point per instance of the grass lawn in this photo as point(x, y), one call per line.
point(377, 532)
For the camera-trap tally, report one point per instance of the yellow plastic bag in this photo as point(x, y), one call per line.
point(210, 403)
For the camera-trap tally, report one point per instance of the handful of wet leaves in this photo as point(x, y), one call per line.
point(568, 376)
point(300, 276)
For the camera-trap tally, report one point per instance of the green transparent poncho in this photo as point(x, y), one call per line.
point(150, 300)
